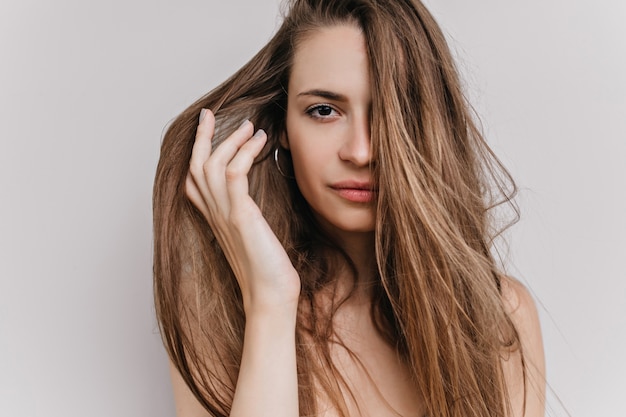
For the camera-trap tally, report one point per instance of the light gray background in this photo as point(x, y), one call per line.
point(86, 89)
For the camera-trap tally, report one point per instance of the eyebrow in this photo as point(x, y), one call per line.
point(328, 95)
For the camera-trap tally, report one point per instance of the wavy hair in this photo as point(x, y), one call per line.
point(437, 297)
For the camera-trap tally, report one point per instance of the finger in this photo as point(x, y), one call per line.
point(197, 186)
point(195, 196)
point(239, 167)
point(213, 182)
point(202, 145)
point(228, 149)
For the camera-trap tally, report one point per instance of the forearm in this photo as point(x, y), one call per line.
point(268, 381)
point(218, 187)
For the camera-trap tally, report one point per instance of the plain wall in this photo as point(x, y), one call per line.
point(86, 89)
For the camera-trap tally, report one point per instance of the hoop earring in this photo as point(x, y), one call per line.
point(280, 170)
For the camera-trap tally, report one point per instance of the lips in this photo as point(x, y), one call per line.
point(355, 191)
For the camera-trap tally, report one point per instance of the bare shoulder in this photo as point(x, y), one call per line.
point(519, 303)
point(524, 367)
point(186, 403)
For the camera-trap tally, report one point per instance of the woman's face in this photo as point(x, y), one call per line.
point(328, 129)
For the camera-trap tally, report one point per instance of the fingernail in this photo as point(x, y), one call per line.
point(259, 134)
point(202, 114)
point(245, 122)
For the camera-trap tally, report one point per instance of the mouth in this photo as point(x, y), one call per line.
point(355, 191)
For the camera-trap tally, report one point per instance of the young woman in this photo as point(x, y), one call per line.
point(323, 234)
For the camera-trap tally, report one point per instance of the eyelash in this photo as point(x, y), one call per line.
point(310, 111)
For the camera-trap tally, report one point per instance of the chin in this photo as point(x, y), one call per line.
point(351, 226)
point(346, 222)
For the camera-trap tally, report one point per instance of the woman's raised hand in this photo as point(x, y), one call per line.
point(217, 184)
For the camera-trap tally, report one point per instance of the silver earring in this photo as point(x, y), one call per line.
point(280, 170)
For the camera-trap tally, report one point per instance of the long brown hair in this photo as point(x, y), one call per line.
point(437, 299)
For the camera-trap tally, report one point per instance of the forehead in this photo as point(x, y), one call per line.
point(332, 57)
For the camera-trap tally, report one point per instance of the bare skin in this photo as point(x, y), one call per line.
point(328, 137)
point(270, 286)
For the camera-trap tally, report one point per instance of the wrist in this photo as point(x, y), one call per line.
point(279, 315)
point(278, 302)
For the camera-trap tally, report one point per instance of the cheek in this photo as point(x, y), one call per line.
point(307, 165)
point(303, 164)
point(312, 148)
point(310, 158)
point(299, 144)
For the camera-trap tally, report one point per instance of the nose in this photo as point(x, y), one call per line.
point(356, 147)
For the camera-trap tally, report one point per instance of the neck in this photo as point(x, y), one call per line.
point(360, 249)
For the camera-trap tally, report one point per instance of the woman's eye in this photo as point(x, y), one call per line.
point(321, 111)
